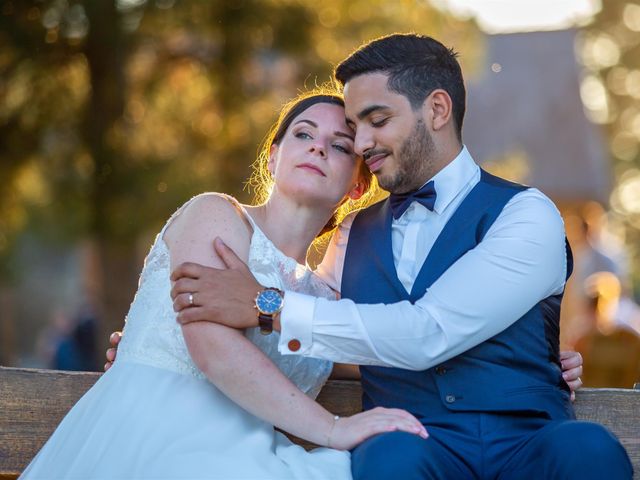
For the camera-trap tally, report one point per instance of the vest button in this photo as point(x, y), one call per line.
point(441, 370)
point(294, 345)
point(450, 398)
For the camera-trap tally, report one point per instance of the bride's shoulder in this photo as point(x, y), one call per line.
point(211, 199)
point(223, 206)
point(206, 198)
point(210, 211)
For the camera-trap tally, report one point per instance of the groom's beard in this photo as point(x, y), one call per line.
point(414, 161)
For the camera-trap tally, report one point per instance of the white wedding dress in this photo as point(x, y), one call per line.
point(154, 415)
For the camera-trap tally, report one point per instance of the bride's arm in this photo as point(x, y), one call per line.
point(237, 367)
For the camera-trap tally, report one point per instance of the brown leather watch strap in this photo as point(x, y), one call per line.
point(266, 323)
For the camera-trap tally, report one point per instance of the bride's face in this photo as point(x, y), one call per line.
point(315, 162)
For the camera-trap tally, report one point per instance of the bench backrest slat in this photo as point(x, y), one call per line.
point(32, 403)
point(618, 409)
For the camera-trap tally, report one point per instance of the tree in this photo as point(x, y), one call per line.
point(113, 113)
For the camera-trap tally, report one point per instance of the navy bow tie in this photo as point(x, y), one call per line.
point(400, 201)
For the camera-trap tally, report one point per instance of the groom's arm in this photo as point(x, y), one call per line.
point(226, 295)
point(520, 261)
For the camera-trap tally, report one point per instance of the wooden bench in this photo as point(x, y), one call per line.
point(32, 403)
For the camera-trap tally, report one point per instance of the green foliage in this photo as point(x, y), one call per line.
point(114, 113)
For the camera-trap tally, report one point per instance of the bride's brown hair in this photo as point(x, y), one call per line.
point(261, 180)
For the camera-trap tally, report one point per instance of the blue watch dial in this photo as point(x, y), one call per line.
point(269, 302)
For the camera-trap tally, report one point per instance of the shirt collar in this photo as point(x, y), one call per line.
point(452, 179)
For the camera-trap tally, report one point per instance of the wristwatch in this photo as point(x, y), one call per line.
point(269, 302)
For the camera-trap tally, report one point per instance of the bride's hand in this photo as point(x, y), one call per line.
point(351, 431)
point(114, 340)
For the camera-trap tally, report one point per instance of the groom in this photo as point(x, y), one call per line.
point(451, 291)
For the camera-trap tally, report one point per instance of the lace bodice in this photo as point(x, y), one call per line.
point(153, 337)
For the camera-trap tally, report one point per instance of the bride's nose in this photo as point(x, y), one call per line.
point(318, 149)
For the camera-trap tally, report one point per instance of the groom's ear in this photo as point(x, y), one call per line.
point(438, 109)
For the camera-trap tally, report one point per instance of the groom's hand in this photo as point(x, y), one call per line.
point(224, 296)
point(114, 340)
point(571, 370)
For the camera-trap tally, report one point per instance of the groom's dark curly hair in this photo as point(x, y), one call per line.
point(416, 66)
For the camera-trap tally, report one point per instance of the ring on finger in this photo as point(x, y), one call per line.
point(191, 299)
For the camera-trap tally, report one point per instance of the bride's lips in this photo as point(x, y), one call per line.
point(375, 161)
point(312, 168)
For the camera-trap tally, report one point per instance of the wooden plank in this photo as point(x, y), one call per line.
point(617, 409)
point(32, 403)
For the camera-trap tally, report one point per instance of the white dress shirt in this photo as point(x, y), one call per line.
point(520, 261)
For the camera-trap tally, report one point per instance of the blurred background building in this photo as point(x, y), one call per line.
point(113, 113)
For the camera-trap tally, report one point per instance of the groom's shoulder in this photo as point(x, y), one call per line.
point(522, 193)
point(500, 182)
point(520, 199)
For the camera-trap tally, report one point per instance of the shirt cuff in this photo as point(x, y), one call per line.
point(296, 321)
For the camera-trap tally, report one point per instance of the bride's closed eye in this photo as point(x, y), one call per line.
point(343, 148)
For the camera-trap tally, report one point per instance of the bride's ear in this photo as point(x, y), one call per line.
point(271, 164)
point(358, 190)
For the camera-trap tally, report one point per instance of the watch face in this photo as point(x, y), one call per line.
point(269, 302)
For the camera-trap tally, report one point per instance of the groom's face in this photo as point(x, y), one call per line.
point(390, 135)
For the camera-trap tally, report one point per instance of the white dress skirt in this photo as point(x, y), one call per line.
point(154, 415)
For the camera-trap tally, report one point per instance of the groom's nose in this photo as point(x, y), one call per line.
point(363, 141)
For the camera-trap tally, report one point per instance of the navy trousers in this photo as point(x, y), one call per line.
point(494, 446)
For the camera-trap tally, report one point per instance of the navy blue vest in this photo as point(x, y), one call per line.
point(518, 370)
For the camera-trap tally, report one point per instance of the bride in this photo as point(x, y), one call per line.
point(202, 400)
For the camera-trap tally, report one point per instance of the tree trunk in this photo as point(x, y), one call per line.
point(7, 326)
point(118, 275)
point(117, 266)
